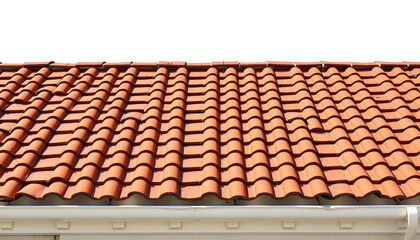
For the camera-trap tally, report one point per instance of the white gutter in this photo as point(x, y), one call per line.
point(209, 212)
point(191, 213)
point(11, 216)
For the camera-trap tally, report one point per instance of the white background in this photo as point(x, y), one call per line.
point(203, 31)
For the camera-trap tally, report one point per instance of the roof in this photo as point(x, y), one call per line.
point(229, 129)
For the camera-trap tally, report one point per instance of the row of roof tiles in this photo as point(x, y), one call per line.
point(105, 132)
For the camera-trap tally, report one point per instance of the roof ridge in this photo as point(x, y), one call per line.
point(216, 64)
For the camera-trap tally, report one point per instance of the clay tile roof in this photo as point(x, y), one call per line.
point(223, 128)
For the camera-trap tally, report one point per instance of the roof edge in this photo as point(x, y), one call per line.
point(96, 220)
point(198, 213)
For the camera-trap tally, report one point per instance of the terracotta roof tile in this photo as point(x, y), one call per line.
point(11, 65)
point(172, 64)
point(225, 128)
point(118, 64)
point(225, 64)
point(89, 64)
point(37, 64)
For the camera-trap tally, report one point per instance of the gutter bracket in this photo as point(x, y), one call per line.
point(413, 220)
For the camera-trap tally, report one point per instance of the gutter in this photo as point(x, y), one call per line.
point(192, 213)
point(235, 214)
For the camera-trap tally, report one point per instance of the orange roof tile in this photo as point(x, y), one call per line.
point(224, 128)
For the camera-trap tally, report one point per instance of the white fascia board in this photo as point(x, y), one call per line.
point(192, 213)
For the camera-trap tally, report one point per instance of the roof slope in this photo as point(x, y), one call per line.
point(230, 129)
